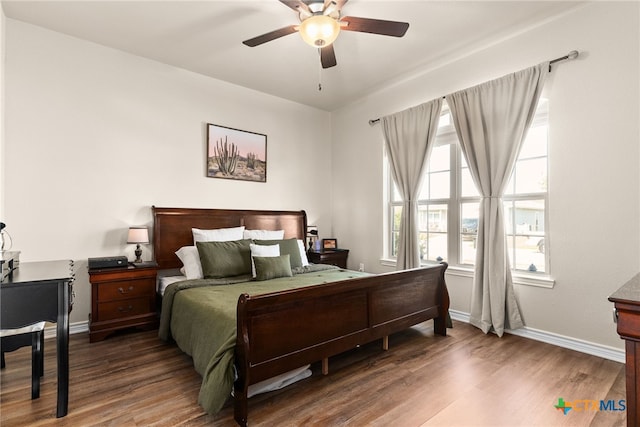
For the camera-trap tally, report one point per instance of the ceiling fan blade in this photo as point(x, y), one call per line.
point(375, 26)
point(328, 57)
point(267, 37)
point(297, 5)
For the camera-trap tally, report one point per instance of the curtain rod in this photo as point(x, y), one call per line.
point(571, 55)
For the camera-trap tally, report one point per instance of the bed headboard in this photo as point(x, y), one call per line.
point(172, 227)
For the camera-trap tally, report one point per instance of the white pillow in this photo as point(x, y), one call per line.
point(190, 261)
point(303, 253)
point(263, 234)
point(217, 235)
point(262, 251)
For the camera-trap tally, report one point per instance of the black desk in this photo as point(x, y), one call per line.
point(38, 291)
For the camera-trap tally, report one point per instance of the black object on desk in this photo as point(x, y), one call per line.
point(42, 291)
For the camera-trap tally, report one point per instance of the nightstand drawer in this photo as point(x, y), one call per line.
point(126, 289)
point(124, 308)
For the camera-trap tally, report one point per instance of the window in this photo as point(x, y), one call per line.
point(449, 202)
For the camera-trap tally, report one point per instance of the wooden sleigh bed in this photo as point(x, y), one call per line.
point(328, 318)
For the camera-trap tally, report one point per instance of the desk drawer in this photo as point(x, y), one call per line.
point(124, 308)
point(126, 289)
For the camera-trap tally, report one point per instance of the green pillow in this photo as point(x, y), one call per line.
point(223, 259)
point(272, 267)
point(287, 247)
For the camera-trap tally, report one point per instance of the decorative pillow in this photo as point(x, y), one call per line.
point(224, 259)
point(190, 262)
point(217, 235)
point(303, 253)
point(262, 251)
point(287, 246)
point(272, 267)
point(263, 234)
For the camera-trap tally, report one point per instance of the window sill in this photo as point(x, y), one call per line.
point(519, 278)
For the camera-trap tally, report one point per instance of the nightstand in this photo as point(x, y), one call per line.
point(337, 257)
point(122, 298)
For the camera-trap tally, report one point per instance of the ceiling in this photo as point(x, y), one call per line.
point(206, 37)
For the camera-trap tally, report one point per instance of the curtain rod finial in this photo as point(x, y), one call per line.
point(573, 54)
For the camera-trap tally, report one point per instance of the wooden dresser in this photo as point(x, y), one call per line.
point(627, 305)
point(122, 298)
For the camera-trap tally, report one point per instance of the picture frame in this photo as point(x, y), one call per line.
point(236, 154)
point(328, 244)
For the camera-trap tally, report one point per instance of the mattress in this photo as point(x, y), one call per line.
point(167, 277)
point(163, 282)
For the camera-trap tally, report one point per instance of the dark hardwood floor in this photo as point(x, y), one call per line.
point(464, 379)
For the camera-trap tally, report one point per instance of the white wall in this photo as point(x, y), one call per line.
point(95, 136)
point(2, 107)
point(594, 193)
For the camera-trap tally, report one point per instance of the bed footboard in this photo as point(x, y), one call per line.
point(282, 331)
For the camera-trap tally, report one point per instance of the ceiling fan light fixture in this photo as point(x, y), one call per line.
point(319, 30)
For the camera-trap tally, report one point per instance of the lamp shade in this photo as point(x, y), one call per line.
point(138, 235)
point(319, 30)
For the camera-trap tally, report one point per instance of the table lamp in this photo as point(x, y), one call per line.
point(138, 235)
point(312, 234)
point(3, 238)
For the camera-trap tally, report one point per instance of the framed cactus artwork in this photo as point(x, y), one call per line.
point(236, 154)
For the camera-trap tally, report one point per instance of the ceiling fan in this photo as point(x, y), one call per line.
point(321, 22)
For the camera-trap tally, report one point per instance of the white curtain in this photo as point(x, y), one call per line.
point(491, 121)
point(408, 136)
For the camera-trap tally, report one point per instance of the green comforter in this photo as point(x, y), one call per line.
point(200, 315)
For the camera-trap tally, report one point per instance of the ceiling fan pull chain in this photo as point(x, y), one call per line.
point(319, 74)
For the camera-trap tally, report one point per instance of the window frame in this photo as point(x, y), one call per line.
point(447, 136)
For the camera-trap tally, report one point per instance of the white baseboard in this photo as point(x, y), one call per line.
point(606, 352)
point(74, 328)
